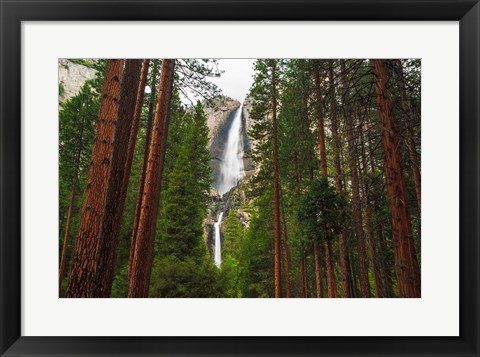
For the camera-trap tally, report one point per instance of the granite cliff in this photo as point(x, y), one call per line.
point(72, 75)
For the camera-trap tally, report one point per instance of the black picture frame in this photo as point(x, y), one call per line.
point(12, 13)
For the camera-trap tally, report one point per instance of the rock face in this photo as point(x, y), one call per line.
point(235, 200)
point(218, 111)
point(72, 76)
point(215, 206)
point(248, 143)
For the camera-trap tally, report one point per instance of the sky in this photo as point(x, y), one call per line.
point(237, 79)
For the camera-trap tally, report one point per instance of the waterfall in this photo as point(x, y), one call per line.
point(231, 168)
point(218, 242)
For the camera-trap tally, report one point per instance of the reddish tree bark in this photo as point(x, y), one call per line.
point(407, 111)
point(353, 275)
point(135, 122)
point(378, 230)
point(276, 186)
point(331, 283)
point(406, 264)
point(318, 267)
point(119, 175)
point(142, 260)
point(85, 278)
point(357, 210)
point(146, 147)
point(286, 257)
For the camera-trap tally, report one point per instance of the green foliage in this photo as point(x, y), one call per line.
point(184, 202)
point(267, 73)
point(77, 120)
point(192, 76)
point(233, 235)
point(256, 279)
point(90, 63)
point(185, 277)
point(231, 268)
point(120, 284)
point(319, 210)
point(297, 157)
point(182, 267)
point(230, 275)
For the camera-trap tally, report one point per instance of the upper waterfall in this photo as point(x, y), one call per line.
point(231, 167)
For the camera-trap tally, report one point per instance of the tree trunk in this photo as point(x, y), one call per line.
point(303, 268)
point(136, 120)
point(276, 187)
point(142, 258)
point(323, 166)
point(119, 175)
point(378, 230)
point(71, 207)
point(406, 264)
point(372, 246)
point(320, 124)
point(138, 206)
point(407, 110)
point(286, 258)
point(357, 211)
point(85, 278)
point(353, 275)
point(379, 289)
point(331, 284)
point(318, 271)
point(385, 268)
point(342, 240)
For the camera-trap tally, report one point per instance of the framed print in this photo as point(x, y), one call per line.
point(239, 178)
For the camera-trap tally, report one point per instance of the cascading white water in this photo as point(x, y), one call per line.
point(231, 170)
point(218, 243)
point(231, 167)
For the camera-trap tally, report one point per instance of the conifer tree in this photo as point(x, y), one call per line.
point(331, 284)
point(142, 256)
point(85, 279)
point(183, 267)
point(146, 148)
point(336, 144)
point(357, 212)
point(406, 264)
point(266, 93)
point(119, 173)
point(77, 122)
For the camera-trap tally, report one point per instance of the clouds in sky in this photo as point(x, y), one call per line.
point(237, 78)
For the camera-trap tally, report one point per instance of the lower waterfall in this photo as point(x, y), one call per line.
point(218, 242)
